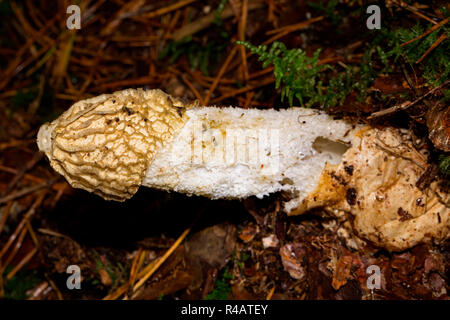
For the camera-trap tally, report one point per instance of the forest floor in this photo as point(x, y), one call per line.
point(161, 245)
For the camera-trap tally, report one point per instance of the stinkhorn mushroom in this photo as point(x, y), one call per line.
point(114, 143)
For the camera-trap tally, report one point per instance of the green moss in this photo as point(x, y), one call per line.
point(218, 19)
point(328, 9)
point(23, 98)
point(16, 288)
point(301, 77)
point(436, 65)
point(108, 268)
point(222, 286)
point(314, 84)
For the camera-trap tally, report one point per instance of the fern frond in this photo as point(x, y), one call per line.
point(298, 75)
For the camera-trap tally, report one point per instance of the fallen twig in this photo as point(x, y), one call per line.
point(220, 74)
point(281, 32)
point(431, 48)
point(271, 292)
point(5, 214)
point(27, 190)
point(19, 266)
point(203, 22)
point(241, 32)
point(13, 67)
point(437, 26)
point(167, 254)
point(22, 223)
point(30, 164)
point(16, 143)
point(162, 259)
point(410, 8)
point(56, 186)
point(172, 7)
point(242, 90)
point(407, 104)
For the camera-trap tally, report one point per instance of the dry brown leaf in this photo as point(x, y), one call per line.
point(342, 272)
point(438, 122)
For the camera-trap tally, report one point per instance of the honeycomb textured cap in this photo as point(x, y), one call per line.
point(105, 144)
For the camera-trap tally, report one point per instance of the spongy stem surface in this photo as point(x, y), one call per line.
point(237, 153)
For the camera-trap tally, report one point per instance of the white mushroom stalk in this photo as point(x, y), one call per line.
point(112, 144)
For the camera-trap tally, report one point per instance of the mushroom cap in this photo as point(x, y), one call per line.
point(44, 138)
point(105, 144)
